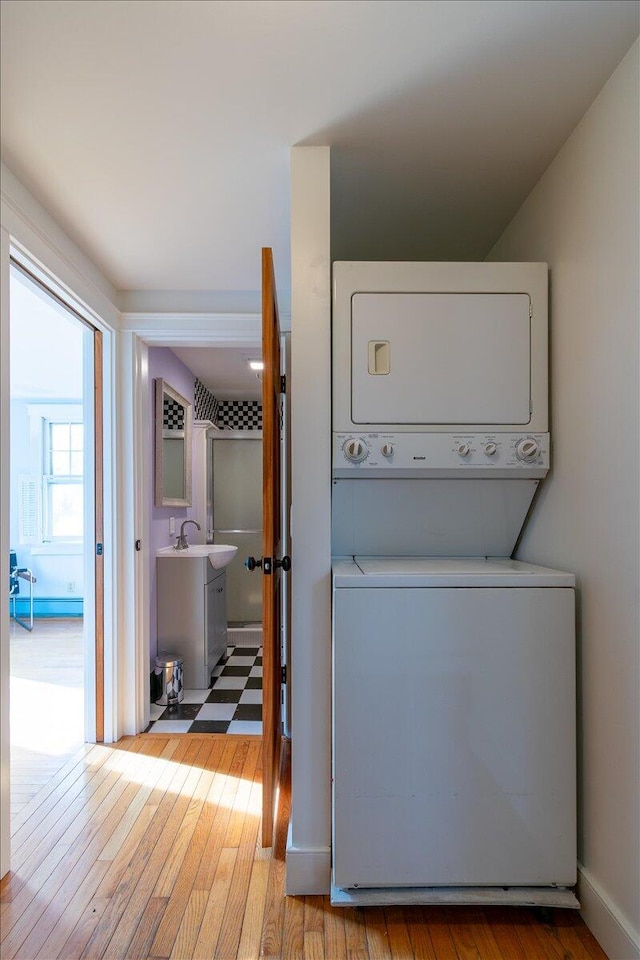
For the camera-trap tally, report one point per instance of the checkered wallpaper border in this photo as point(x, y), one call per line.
point(205, 404)
point(226, 414)
point(240, 414)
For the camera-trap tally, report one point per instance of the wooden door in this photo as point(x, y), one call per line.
point(272, 565)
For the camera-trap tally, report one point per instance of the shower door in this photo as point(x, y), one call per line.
point(237, 516)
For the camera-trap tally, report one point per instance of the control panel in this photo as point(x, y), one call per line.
point(438, 454)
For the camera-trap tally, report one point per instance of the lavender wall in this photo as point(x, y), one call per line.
point(164, 363)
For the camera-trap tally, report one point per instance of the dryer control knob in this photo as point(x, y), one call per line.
point(386, 449)
point(464, 450)
point(491, 449)
point(355, 449)
point(527, 449)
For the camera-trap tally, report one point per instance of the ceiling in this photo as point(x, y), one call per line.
point(224, 370)
point(158, 132)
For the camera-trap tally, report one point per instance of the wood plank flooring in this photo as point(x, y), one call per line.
point(150, 849)
point(47, 702)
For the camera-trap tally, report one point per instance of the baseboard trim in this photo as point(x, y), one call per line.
point(308, 870)
point(48, 607)
point(610, 928)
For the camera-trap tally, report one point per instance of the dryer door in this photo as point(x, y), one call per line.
point(440, 358)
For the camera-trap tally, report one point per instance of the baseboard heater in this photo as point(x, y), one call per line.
point(249, 636)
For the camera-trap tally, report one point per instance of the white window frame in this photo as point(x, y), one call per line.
point(40, 415)
point(51, 479)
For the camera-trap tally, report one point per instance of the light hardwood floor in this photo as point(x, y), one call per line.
point(47, 702)
point(150, 848)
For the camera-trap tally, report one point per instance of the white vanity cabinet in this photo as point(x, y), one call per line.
point(215, 606)
point(192, 615)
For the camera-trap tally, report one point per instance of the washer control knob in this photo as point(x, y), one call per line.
point(464, 450)
point(386, 449)
point(355, 449)
point(527, 449)
point(491, 449)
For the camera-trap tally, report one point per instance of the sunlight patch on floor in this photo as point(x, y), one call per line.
point(169, 775)
point(46, 717)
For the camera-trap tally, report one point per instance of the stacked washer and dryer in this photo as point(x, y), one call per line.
point(454, 751)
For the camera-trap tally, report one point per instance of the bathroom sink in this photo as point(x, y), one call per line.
point(220, 554)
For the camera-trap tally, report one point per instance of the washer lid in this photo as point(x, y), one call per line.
point(442, 572)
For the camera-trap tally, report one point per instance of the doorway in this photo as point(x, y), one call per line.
point(55, 473)
point(201, 334)
point(223, 395)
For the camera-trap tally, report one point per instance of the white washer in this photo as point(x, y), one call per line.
point(454, 724)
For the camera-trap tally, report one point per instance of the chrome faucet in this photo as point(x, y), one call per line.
point(182, 543)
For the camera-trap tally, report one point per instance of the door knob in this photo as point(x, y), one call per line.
point(265, 562)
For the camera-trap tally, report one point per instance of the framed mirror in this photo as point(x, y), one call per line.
point(173, 447)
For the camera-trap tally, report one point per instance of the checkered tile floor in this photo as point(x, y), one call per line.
point(232, 705)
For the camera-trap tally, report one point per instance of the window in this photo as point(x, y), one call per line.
point(49, 440)
point(63, 480)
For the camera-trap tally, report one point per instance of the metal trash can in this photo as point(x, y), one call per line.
point(169, 678)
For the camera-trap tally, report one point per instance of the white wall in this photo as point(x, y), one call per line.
point(582, 218)
point(164, 363)
point(308, 845)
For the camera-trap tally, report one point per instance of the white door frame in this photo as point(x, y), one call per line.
point(62, 293)
point(5, 788)
point(58, 273)
point(34, 275)
point(139, 331)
